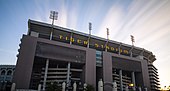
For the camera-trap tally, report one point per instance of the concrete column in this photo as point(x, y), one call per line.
point(133, 81)
point(68, 75)
point(71, 36)
point(114, 86)
point(119, 50)
point(126, 88)
point(39, 87)
point(88, 45)
point(74, 86)
point(100, 85)
point(12, 74)
point(45, 75)
point(5, 76)
point(51, 35)
point(107, 70)
point(140, 89)
point(90, 67)
point(63, 86)
point(145, 89)
point(131, 54)
point(13, 87)
point(85, 87)
point(121, 82)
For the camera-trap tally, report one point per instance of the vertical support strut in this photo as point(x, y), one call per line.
point(121, 83)
point(45, 75)
point(68, 75)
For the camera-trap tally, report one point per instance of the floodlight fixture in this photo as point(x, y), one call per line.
point(132, 39)
point(53, 16)
point(90, 27)
point(107, 33)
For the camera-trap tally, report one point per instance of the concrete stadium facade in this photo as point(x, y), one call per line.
point(56, 54)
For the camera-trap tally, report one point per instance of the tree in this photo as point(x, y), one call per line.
point(90, 87)
point(54, 87)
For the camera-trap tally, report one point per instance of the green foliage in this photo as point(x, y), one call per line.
point(90, 87)
point(53, 87)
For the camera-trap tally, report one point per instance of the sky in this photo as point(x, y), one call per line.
point(147, 20)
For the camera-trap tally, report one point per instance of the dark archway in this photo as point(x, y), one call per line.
point(3, 72)
point(9, 72)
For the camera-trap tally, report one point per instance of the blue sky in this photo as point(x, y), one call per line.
point(147, 20)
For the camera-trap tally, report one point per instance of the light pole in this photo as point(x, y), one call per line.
point(107, 39)
point(132, 39)
point(53, 16)
point(90, 28)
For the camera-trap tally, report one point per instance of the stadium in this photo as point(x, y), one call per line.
point(55, 54)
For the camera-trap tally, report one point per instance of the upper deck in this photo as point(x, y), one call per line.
point(43, 30)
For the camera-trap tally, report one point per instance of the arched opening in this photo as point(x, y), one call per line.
point(9, 72)
point(3, 72)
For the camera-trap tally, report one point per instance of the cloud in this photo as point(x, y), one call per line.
point(62, 16)
point(151, 29)
point(7, 51)
point(149, 22)
point(112, 20)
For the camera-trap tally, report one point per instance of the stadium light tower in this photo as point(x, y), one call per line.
point(132, 39)
point(53, 16)
point(107, 33)
point(107, 39)
point(90, 28)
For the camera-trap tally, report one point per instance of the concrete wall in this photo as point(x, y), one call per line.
point(25, 62)
point(26, 56)
point(90, 64)
point(107, 70)
point(23, 70)
point(90, 68)
point(126, 64)
point(145, 74)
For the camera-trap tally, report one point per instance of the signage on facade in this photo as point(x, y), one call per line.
point(96, 45)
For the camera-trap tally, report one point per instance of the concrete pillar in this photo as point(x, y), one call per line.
point(131, 54)
point(71, 36)
point(39, 87)
point(140, 89)
point(100, 85)
point(121, 82)
point(45, 75)
point(126, 89)
point(74, 86)
point(5, 76)
point(85, 87)
point(114, 86)
point(13, 87)
point(68, 75)
point(51, 35)
point(119, 50)
point(88, 45)
point(63, 86)
point(133, 81)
